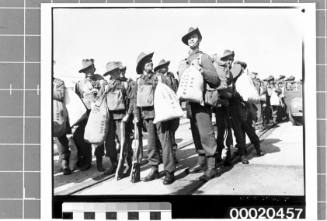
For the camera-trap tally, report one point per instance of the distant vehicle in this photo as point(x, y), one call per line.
point(294, 102)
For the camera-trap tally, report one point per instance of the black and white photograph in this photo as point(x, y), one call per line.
point(180, 100)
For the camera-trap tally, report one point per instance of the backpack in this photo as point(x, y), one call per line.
point(116, 98)
point(213, 96)
point(145, 94)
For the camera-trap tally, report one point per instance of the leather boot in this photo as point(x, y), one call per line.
point(99, 164)
point(85, 167)
point(111, 169)
point(169, 178)
point(174, 156)
point(258, 150)
point(211, 169)
point(128, 165)
point(65, 167)
point(244, 160)
point(201, 165)
point(154, 174)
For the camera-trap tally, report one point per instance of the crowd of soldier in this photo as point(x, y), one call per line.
point(134, 106)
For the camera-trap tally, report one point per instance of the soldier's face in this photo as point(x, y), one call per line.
point(163, 70)
point(252, 76)
point(230, 61)
point(122, 72)
point(193, 41)
point(148, 66)
point(115, 74)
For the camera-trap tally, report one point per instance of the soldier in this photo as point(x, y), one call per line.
point(145, 87)
point(89, 89)
point(170, 80)
point(130, 85)
point(257, 83)
point(251, 114)
point(64, 152)
point(281, 87)
point(200, 116)
point(223, 120)
point(266, 104)
point(274, 92)
point(116, 98)
point(235, 108)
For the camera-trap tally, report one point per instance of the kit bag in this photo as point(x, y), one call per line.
point(166, 104)
point(96, 128)
point(75, 107)
point(191, 86)
point(115, 99)
point(245, 87)
point(59, 118)
point(58, 89)
point(145, 94)
point(274, 99)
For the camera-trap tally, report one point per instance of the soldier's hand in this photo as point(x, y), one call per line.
point(135, 120)
point(125, 118)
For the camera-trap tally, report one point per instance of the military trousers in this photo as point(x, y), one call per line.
point(113, 139)
point(275, 113)
point(202, 129)
point(174, 127)
point(223, 123)
point(250, 132)
point(63, 151)
point(238, 117)
point(161, 131)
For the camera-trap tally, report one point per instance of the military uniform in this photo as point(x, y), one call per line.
point(115, 122)
point(129, 125)
point(64, 152)
point(259, 118)
point(200, 118)
point(160, 130)
point(88, 89)
point(170, 80)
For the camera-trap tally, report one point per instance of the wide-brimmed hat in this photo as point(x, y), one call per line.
point(86, 65)
point(111, 66)
point(121, 66)
point(281, 77)
point(191, 31)
point(290, 78)
point(270, 78)
point(162, 64)
point(227, 54)
point(140, 61)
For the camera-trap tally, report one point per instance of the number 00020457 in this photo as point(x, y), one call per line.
point(266, 213)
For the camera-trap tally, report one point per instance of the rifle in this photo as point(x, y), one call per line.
point(135, 175)
point(121, 152)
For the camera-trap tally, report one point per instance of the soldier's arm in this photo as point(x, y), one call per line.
point(209, 72)
point(77, 90)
